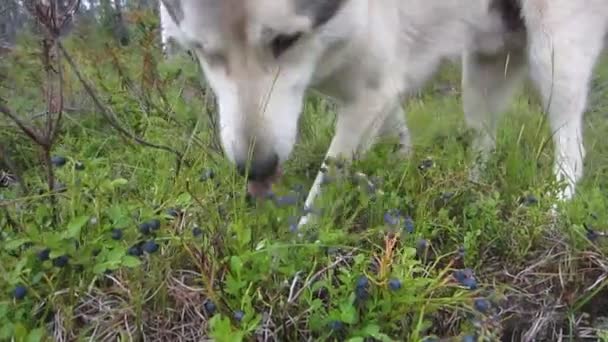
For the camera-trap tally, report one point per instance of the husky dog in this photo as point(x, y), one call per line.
point(261, 56)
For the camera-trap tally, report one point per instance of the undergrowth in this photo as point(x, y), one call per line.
point(130, 250)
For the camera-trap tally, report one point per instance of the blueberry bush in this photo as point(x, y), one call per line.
point(135, 245)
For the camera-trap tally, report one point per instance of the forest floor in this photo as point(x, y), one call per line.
point(131, 249)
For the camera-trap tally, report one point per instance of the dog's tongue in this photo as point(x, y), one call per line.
point(261, 189)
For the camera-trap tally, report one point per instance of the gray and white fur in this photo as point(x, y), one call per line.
point(261, 56)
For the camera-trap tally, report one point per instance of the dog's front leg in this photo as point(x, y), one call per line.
point(356, 122)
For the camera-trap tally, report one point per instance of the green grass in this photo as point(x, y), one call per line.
point(542, 275)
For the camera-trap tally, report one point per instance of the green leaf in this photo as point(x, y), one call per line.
point(183, 199)
point(348, 313)
point(119, 182)
point(75, 226)
point(35, 335)
point(356, 339)
point(130, 261)
point(14, 244)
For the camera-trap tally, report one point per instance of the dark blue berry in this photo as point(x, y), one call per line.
point(154, 224)
point(471, 283)
point(422, 245)
point(19, 292)
point(408, 224)
point(135, 250)
point(144, 228)
point(481, 304)
point(285, 201)
point(391, 218)
point(529, 200)
point(58, 161)
point(44, 254)
point(207, 175)
point(61, 261)
point(238, 315)
point(362, 282)
point(394, 284)
point(209, 307)
point(79, 166)
point(426, 164)
point(335, 326)
point(173, 213)
point(469, 338)
point(116, 234)
point(150, 247)
point(197, 231)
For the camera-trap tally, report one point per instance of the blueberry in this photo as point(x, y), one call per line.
point(134, 250)
point(426, 164)
point(58, 161)
point(154, 224)
point(238, 315)
point(408, 224)
point(197, 231)
point(144, 228)
point(207, 175)
point(529, 200)
point(481, 304)
point(471, 283)
point(44, 254)
point(422, 244)
point(461, 252)
point(391, 218)
point(335, 325)
point(79, 166)
point(287, 200)
point(394, 284)
point(61, 261)
point(362, 282)
point(592, 235)
point(116, 234)
point(173, 213)
point(150, 247)
point(209, 307)
point(19, 292)
point(469, 338)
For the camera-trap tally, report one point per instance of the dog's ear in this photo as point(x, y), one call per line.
point(320, 11)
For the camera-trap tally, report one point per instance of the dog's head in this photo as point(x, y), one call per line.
point(258, 56)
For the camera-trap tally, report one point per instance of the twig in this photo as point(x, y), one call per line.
point(316, 276)
point(110, 117)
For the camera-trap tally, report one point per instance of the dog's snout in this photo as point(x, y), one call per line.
point(260, 169)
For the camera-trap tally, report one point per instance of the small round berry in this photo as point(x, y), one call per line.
point(481, 304)
point(408, 224)
point(362, 282)
point(135, 250)
point(394, 284)
point(197, 232)
point(335, 325)
point(154, 224)
point(238, 315)
point(150, 247)
point(116, 234)
point(19, 292)
point(207, 175)
point(61, 261)
point(209, 307)
point(173, 213)
point(469, 338)
point(144, 228)
point(44, 254)
point(471, 283)
point(58, 161)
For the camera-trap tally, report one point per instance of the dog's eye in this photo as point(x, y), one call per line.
point(283, 42)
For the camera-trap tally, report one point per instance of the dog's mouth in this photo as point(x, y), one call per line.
point(263, 188)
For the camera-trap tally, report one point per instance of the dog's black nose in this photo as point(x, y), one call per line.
point(260, 169)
